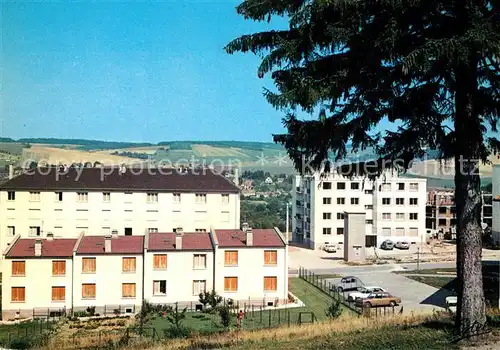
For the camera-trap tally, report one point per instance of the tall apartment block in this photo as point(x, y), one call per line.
point(394, 208)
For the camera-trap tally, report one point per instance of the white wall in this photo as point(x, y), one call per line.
point(250, 272)
point(179, 275)
point(496, 204)
point(69, 217)
point(38, 282)
point(108, 279)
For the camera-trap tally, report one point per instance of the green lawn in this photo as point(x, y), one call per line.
point(316, 302)
point(330, 275)
point(21, 330)
point(442, 271)
point(435, 281)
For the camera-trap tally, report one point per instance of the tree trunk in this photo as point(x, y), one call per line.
point(471, 313)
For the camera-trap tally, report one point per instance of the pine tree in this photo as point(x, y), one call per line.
point(430, 66)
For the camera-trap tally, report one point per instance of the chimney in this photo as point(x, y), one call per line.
point(178, 238)
point(38, 247)
point(249, 237)
point(236, 177)
point(244, 226)
point(107, 244)
point(123, 169)
point(11, 171)
point(50, 236)
point(114, 234)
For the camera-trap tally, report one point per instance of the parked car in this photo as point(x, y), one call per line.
point(347, 283)
point(451, 304)
point(330, 248)
point(378, 299)
point(363, 292)
point(402, 245)
point(387, 245)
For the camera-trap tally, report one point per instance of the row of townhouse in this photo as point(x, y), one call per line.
point(65, 202)
point(393, 206)
point(112, 271)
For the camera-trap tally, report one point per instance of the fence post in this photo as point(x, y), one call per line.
point(269, 318)
point(279, 317)
point(288, 316)
point(261, 314)
point(253, 307)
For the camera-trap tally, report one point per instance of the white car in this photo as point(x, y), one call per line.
point(402, 245)
point(330, 248)
point(363, 292)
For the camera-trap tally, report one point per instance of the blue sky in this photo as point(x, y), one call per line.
point(131, 71)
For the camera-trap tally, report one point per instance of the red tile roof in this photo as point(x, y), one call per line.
point(237, 238)
point(56, 248)
point(190, 241)
point(119, 245)
point(138, 179)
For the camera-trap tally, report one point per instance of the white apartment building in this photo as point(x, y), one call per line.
point(107, 272)
point(98, 201)
point(178, 267)
point(496, 203)
point(394, 207)
point(251, 265)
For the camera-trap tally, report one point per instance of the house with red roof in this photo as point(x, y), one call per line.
point(108, 273)
point(251, 265)
point(36, 277)
point(178, 267)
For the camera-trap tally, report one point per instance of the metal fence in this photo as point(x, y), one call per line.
point(329, 289)
point(35, 330)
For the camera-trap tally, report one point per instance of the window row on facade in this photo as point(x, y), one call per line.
point(400, 186)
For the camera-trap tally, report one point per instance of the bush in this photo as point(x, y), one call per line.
point(177, 332)
point(334, 310)
point(91, 310)
point(225, 315)
point(211, 299)
point(21, 343)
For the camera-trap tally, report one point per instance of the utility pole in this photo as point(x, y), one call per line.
point(418, 258)
point(287, 220)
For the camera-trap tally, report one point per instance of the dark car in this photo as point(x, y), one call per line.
point(387, 245)
point(347, 283)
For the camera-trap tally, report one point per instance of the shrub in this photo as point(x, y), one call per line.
point(334, 310)
point(21, 343)
point(225, 315)
point(121, 323)
point(177, 332)
point(91, 310)
point(211, 299)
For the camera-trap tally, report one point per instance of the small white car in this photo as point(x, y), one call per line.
point(330, 248)
point(402, 245)
point(363, 292)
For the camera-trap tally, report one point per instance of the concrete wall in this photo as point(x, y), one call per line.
point(496, 203)
point(38, 282)
point(179, 275)
point(69, 218)
point(108, 279)
point(354, 236)
point(250, 272)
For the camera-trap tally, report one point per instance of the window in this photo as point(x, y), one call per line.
point(340, 230)
point(200, 230)
point(230, 284)
point(385, 187)
point(153, 230)
point(199, 286)
point(200, 261)
point(11, 230)
point(18, 294)
point(354, 185)
point(58, 196)
point(34, 231)
point(270, 257)
point(327, 185)
point(82, 197)
point(152, 198)
point(177, 197)
point(369, 206)
point(369, 221)
point(58, 293)
point(128, 197)
point(340, 200)
point(128, 264)
point(225, 216)
point(106, 197)
point(400, 231)
point(88, 291)
point(400, 216)
point(88, 265)
point(414, 186)
point(128, 231)
point(35, 196)
point(327, 200)
point(368, 191)
point(340, 216)
point(270, 284)
point(354, 201)
point(327, 216)
point(225, 199)
point(11, 196)
point(386, 216)
point(340, 185)
point(160, 287)
point(128, 290)
point(231, 258)
point(413, 216)
point(58, 268)
point(400, 201)
point(386, 201)
point(327, 231)
point(401, 186)
point(413, 231)
point(18, 268)
point(200, 198)
point(160, 261)
point(413, 201)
